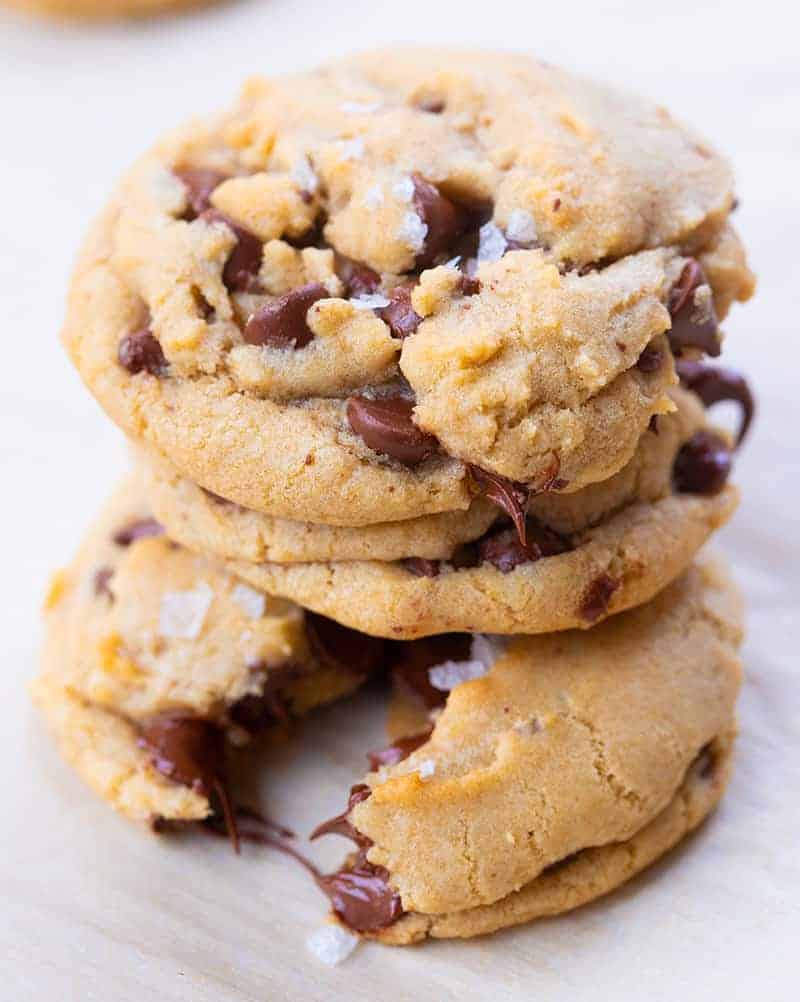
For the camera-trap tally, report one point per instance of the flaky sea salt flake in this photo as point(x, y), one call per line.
point(521, 227)
point(358, 107)
point(491, 243)
point(449, 674)
point(303, 175)
point(251, 602)
point(426, 768)
point(369, 302)
point(412, 231)
point(183, 613)
point(351, 149)
point(331, 944)
point(403, 190)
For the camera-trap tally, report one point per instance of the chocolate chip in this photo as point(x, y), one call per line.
point(102, 579)
point(469, 285)
point(140, 528)
point(422, 568)
point(508, 495)
point(398, 750)
point(257, 712)
point(714, 384)
point(400, 314)
point(650, 360)
point(337, 646)
point(702, 465)
point(358, 279)
point(597, 596)
point(361, 896)
point(445, 220)
point(191, 751)
point(691, 306)
point(241, 268)
point(387, 426)
point(433, 105)
point(200, 182)
point(141, 352)
point(504, 551)
point(415, 657)
point(281, 323)
point(556, 204)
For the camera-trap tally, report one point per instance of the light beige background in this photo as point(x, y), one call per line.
point(92, 909)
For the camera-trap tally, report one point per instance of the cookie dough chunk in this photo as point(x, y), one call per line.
point(589, 555)
point(328, 300)
point(144, 635)
point(555, 784)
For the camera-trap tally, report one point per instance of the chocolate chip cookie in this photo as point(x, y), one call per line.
point(155, 657)
point(102, 9)
point(584, 556)
point(362, 291)
point(559, 767)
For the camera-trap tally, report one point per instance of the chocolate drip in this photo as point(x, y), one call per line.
point(359, 891)
point(508, 495)
point(714, 384)
point(191, 751)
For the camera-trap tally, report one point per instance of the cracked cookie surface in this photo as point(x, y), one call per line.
point(497, 242)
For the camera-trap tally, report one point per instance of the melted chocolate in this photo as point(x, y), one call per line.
point(597, 596)
point(141, 352)
point(420, 567)
point(200, 183)
point(140, 528)
point(415, 657)
point(338, 646)
point(714, 384)
point(694, 321)
point(509, 496)
point(400, 315)
point(241, 269)
point(702, 465)
point(387, 426)
point(102, 582)
point(257, 712)
point(281, 323)
point(359, 891)
point(399, 750)
point(191, 751)
point(361, 895)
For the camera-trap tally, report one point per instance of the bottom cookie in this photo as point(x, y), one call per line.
point(563, 766)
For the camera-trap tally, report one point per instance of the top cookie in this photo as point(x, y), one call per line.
point(328, 302)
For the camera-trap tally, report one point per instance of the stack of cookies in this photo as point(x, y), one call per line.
point(413, 355)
